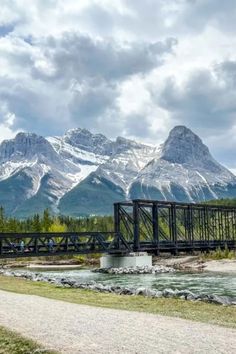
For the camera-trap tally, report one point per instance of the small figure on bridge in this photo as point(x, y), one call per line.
point(22, 246)
point(50, 245)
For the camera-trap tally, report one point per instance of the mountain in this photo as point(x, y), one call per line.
point(81, 173)
point(110, 182)
point(32, 175)
point(185, 171)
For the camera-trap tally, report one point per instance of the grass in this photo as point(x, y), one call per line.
point(219, 254)
point(12, 343)
point(197, 311)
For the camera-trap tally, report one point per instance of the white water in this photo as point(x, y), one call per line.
point(199, 283)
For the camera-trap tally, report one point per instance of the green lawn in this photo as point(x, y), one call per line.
point(197, 311)
point(12, 343)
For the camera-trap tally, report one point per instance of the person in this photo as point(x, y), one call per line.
point(50, 245)
point(22, 246)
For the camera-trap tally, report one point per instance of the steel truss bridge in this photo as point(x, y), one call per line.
point(139, 225)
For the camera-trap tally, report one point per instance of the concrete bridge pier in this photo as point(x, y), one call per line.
point(134, 259)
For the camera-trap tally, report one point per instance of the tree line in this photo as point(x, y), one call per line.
point(50, 223)
point(223, 202)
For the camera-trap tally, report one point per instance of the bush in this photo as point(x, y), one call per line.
point(220, 254)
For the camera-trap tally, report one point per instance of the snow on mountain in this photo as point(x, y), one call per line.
point(110, 181)
point(127, 160)
point(82, 149)
point(33, 160)
point(185, 171)
point(81, 173)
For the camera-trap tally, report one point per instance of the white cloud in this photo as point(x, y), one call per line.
point(109, 66)
point(7, 121)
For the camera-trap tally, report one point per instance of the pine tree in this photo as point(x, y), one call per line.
point(36, 224)
point(47, 220)
point(2, 220)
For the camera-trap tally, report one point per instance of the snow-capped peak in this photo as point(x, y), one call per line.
point(183, 146)
point(85, 140)
point(61, 172)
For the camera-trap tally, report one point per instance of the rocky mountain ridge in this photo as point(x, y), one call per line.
point(81, 173)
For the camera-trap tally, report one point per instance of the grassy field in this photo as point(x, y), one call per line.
point(11, 343)
point(197, 311)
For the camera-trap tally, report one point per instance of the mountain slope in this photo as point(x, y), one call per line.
point(82, 173)
point(185, 171)
point(110, 182)
point(26, 164)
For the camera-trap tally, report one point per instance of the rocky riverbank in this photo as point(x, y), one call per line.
point(114, 289)
point(157, 269)
point(197, 264)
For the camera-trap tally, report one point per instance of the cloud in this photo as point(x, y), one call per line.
point(73, 78)
point(81, 57)
point(137, 125)
point(206, 100)
point(198, 14)
point(121, 67)
point(91, 101)
point(6, 122)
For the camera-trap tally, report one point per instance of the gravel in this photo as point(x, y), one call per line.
point(71, 328)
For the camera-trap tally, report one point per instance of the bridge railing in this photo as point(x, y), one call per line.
point(44, 244)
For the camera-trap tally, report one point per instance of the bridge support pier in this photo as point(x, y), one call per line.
point(135, 259)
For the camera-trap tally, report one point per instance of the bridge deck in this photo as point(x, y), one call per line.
point(49, 244)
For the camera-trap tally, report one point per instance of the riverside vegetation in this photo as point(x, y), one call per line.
point(192, 310)
point(12, 343)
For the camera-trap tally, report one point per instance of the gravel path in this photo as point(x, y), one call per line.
point(71, 328)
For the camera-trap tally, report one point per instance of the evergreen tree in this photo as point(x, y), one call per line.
point(47, 220)
point(36, 224)
point(2, 220)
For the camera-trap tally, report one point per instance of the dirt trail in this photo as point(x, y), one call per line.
point(71, 328)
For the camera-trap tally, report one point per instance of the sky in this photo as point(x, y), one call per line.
point(130, 68)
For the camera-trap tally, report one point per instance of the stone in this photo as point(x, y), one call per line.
point(117, 289)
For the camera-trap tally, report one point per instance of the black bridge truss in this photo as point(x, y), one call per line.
point(66, 243)
point(140, 225)
point(161, 226)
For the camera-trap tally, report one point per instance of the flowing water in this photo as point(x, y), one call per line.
point(199, 283)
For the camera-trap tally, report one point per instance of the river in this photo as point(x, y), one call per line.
point(199, 283)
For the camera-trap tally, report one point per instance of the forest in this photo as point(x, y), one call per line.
point(49, 223)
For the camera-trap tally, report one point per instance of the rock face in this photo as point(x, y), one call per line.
point(185, 171)
point(32, 175)
point(184, 147)
point(110, 182)
point(82, 173)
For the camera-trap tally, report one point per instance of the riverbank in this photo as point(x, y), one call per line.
point(50, 262)
point(192, 310)
point(198, 264)
point(53, 266)
point(62, 280)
